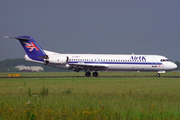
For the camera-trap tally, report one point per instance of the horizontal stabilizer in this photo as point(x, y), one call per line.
point(18, 38)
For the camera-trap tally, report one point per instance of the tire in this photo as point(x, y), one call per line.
point(95, 74)
point(87, 74)
point(158, 75)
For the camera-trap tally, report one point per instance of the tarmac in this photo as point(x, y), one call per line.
point(95, 77)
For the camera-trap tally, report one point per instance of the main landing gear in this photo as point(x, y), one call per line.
point(88, 74)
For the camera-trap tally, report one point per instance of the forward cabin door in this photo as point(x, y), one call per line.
point(154, 63)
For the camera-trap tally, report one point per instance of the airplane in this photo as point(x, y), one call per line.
point(94, 62)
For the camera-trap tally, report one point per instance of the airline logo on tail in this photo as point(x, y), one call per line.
point(32, 46)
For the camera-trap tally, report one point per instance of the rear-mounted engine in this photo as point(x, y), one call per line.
point(56, 60)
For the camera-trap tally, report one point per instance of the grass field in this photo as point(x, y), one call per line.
point(90, 98)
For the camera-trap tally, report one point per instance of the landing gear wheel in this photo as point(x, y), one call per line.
point(158, 75)
point(87, 74)
point(95, 74)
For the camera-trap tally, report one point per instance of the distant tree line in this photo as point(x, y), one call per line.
point(9, 65)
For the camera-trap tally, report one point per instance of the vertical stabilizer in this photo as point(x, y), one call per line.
point(33, 50)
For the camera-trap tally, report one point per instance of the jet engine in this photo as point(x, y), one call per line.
point(56, 60)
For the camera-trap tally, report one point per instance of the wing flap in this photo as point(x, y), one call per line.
point(87, 67)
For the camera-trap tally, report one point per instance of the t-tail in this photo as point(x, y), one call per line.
point(33, 50)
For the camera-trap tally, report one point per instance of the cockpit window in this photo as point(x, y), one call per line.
point(165, 60)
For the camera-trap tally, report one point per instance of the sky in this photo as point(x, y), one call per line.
point(92, 26)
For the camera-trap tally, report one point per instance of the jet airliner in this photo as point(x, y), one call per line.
point(94, 62)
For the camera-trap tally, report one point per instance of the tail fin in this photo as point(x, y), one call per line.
point(33, 50)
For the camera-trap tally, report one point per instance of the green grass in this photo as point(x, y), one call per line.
point(90, 98)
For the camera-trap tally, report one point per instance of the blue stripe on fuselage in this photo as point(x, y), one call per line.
point(135, 63)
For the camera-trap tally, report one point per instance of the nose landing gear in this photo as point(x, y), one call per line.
point(158, 75)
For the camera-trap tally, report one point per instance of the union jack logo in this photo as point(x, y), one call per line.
point(32, 46)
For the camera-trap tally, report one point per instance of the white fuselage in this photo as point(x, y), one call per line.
point(111, 62)
point(94, 62)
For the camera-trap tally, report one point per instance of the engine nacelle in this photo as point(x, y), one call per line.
point(56, 60)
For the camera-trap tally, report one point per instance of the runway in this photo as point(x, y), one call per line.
point(95, 77)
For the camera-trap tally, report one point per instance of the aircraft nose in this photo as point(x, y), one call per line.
point(170, 66)
point(174, 66)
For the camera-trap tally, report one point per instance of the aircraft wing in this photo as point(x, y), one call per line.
point(87, 67)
